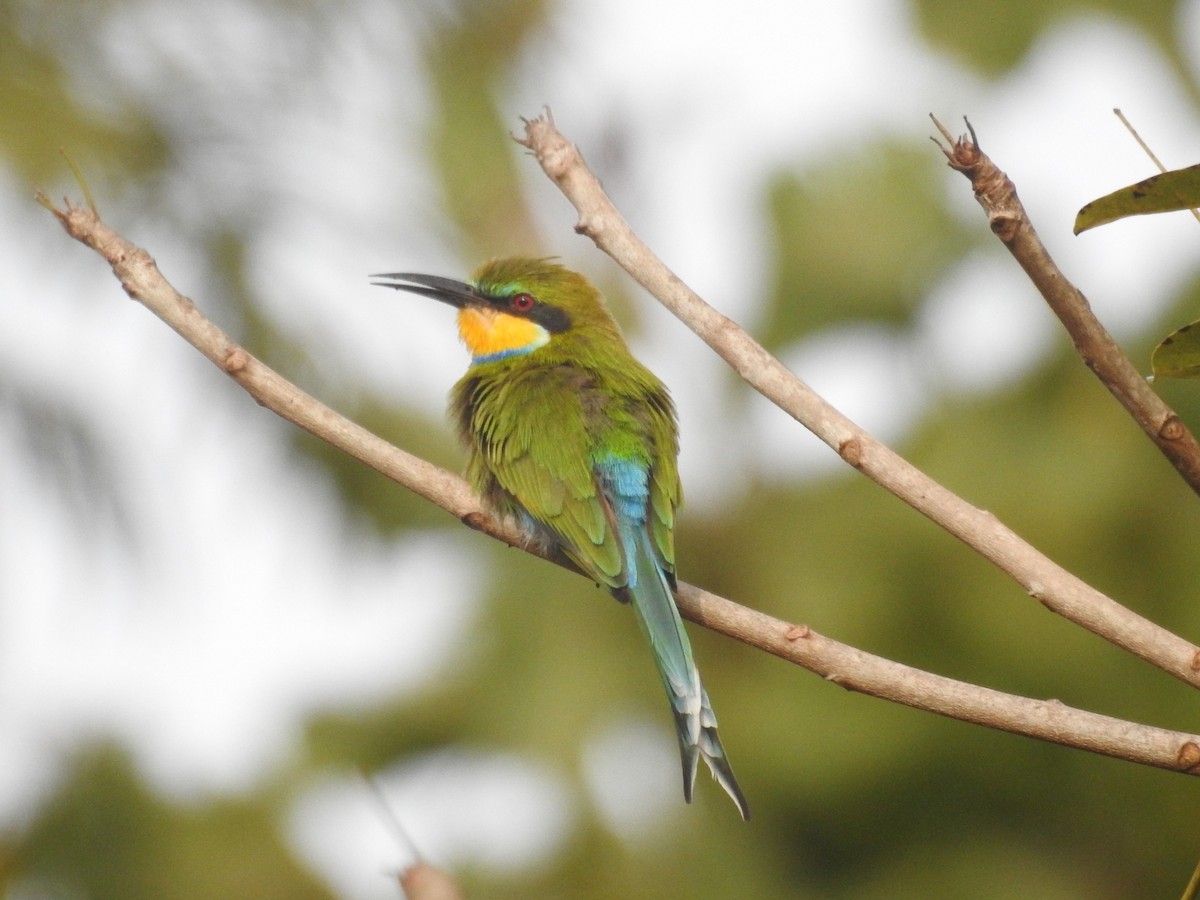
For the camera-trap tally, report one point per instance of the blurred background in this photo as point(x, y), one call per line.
point(210, 624)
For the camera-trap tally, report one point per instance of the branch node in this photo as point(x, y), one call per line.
point(964, 152)
point(851, 450)
point(235, 361)
point(476, 521)
point(1004, 226)
point(994, 191)
point(1172, 429)
point(527, 141)
point(555, 154)
point(1188, 757)
point(845, 682)
point(798, 633)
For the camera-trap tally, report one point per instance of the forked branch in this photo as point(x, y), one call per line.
point(841, 664)
point(1010, 223)
point(1041, 577)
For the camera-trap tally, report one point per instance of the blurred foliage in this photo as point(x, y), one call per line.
point(469, 56)
point(104, 834)
point(994, 38)
point(838, 254)
point(42, 113)
point(852, 797)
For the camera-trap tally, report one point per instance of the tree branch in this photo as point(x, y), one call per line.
point(1041, 577)
point(838, 663)
point(856, 670)
point(1010, 223)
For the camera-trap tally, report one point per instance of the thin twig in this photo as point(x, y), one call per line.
point(79, 179)
point(1193, 885)
point(1056, 588)
point(395, 826)
point(419, 879)
point(1010, 223)
point(1137, 137)
point(838, 663)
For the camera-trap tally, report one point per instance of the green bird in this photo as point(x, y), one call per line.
point(574, 438)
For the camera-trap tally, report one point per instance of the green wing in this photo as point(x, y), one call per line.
point(534, 436)
point(530, 453)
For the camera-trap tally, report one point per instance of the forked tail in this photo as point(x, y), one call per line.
point(695, 721)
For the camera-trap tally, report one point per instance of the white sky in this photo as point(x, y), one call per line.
point(204, 632)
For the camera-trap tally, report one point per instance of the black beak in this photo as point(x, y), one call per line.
point(447, 290)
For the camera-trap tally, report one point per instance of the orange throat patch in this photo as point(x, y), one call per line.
point(490, 334)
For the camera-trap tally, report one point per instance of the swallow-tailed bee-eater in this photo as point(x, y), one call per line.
point(574, 438)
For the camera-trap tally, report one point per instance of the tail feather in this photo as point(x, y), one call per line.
point(695, 721)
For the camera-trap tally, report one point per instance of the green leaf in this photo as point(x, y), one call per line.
point(1178, 356)
point(1168, 192)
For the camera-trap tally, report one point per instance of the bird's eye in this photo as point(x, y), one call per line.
point(521, 302)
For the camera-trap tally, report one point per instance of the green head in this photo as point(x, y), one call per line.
point(517, 305)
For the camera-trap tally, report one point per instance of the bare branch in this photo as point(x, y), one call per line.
point(1010, 223)
point(856, 670)
point(1056, 588)
point(838, 663)
point(421, 881)
point(141, 279)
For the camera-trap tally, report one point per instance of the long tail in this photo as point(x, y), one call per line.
point(695, 721)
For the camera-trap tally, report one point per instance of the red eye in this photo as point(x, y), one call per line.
point(521, 302)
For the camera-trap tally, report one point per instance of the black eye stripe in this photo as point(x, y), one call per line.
point(524, 304)
point(553, 319)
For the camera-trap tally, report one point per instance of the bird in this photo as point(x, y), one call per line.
point(573, 438)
